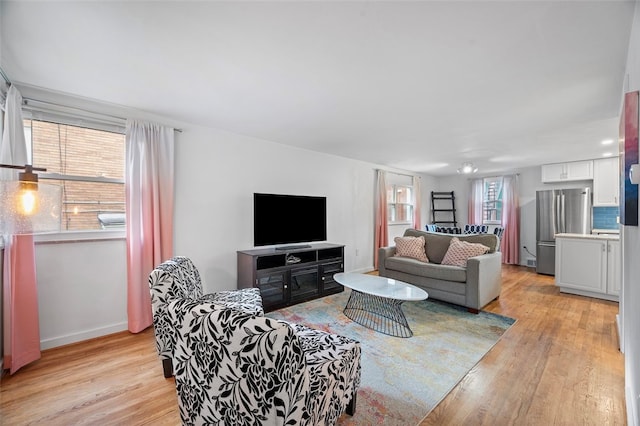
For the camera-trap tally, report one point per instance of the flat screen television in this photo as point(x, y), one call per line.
point(288, 219)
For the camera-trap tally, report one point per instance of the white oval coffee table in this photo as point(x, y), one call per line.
point(376, 302)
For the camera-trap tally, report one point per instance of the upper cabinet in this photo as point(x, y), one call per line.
point(606, 176)
point(563, 172)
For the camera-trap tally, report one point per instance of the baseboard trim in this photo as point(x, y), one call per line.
point(82, 335)
point(363, 270)
point(631, 403)
point(619, 330)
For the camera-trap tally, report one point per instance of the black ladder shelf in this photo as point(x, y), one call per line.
point(443, 198)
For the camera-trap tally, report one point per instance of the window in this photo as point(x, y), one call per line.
point(492, 201)
point(88, 165)
point(400, 203)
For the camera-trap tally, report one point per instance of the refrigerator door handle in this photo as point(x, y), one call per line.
point(556, 214)
point(563, 223)
point(554, 209)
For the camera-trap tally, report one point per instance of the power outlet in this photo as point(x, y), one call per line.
point(357, 252)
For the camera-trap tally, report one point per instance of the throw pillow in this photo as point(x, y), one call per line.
point(459, 251)
point(411, 247)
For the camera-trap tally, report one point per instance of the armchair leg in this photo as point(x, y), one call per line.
point(472, 310)
point(351, 407)
point(167, 367)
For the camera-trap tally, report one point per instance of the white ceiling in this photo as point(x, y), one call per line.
point(420, 85)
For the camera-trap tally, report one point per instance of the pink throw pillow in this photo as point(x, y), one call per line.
point(460, 251)
point(413, 247)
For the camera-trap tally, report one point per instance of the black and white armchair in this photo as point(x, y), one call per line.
point(235, 368)
point(178, 278)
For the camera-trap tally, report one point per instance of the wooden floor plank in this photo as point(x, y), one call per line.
point(558, 364)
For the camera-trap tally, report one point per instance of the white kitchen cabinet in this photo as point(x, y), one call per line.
point(606, 177)
point(588, 265)
point(563, 172)
point(614, 268)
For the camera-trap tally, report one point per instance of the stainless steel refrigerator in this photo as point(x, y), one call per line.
point(559, 211)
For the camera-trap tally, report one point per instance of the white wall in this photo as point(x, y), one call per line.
point(427, 184)
point(460, 185)
point(81, 290)
point(630, 306)
point(217, 174)
point(82, 285)
point(529, 181)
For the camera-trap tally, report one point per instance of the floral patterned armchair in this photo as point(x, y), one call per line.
point(232, 367)
point(177, 278)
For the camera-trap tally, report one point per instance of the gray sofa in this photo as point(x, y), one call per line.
point(472, 286)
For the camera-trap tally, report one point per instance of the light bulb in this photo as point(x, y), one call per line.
point(27, 201)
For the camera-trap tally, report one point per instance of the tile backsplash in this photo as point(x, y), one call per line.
point(605, 217)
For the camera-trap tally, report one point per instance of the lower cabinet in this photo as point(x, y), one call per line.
point(292, 276)
point(588, 266)
point(614, 268)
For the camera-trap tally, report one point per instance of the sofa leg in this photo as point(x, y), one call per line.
point(351, 407)
point(167, 367)
point(473, 311)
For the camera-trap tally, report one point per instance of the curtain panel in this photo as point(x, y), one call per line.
point(417, 203)
point(21, 329)
point(149, 188)
point(476, 202)
point(510, 244)
point(381, 233)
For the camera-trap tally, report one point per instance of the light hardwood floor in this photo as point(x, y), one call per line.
point(558, 364)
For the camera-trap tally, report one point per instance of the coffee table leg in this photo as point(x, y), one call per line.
point(378, 313)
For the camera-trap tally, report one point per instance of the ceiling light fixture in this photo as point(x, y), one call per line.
point(607, 154)
point(607, 142)
point(467, 168)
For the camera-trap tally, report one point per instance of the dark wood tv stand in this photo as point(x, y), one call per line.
point(294, 275)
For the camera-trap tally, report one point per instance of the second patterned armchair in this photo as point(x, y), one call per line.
point(178, 278)
point(234, 368)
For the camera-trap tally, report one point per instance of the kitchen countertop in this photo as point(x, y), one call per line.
point(605, 231)
point(590, 236)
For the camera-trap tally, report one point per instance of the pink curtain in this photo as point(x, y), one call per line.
point(20, 292)
point(417, 203)
point(381, 219)
point(20, 296)
point(149, 214)
point(476, 195)
point(510, 244)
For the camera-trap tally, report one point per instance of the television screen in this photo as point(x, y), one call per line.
point(288, 219)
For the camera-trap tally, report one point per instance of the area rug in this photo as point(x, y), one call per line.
point(404, 378)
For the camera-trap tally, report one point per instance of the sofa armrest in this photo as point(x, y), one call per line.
point(383, 253)
point(484, 279)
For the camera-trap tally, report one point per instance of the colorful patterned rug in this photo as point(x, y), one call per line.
point(404, 378)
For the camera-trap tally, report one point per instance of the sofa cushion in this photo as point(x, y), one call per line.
point(429, 270)
point(460, 251)
point(436, 245)
point(412, 247)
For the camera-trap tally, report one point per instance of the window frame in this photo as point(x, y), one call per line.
point(486, 201)
point(392, 205)
point(80, 121)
